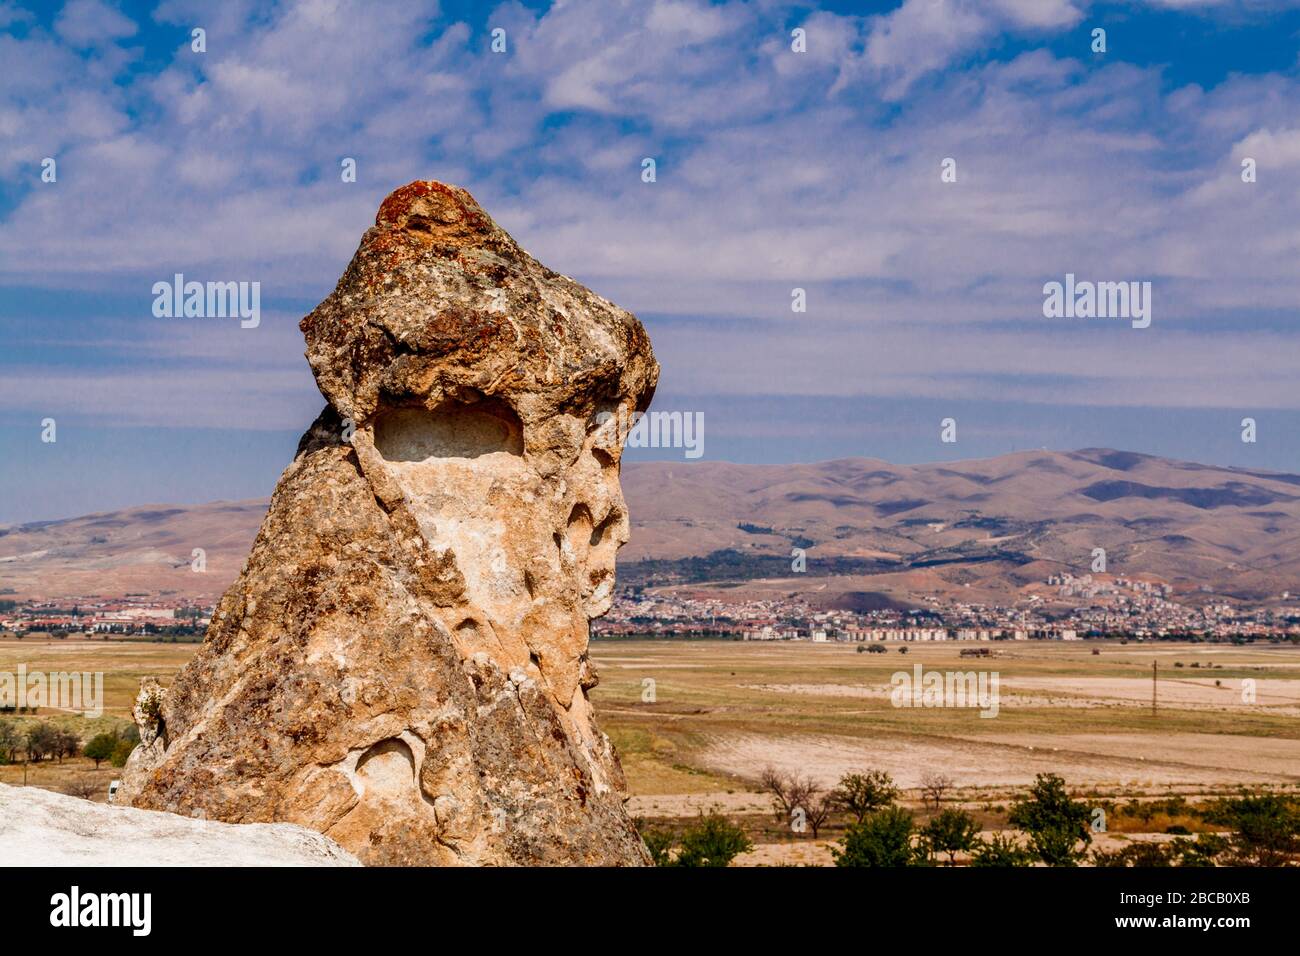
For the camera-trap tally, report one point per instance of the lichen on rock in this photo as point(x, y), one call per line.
point(402, 664)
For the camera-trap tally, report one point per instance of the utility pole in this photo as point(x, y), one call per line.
point(1154, 666)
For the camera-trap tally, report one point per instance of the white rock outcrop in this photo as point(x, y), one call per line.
point(40, 828)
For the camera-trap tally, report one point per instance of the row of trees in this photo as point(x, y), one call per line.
point(803, 802)
point(44, 741)
point(1263, 830)
point(885, 834)
point(713, 840)
point(38, 742)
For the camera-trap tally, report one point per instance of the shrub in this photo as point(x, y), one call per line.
point(120, 753)
point(883, 838)
point(1001, 850)
point(42, 741)
point(1140, 854)
point(85, 787)
point(100, 747)
point(951, 832)
point(1054, 822)
point(1181, 852)
point(713, 841)
point(659, 843)
point(11, 741)
point(1202, 851)
point(864, 793)
point(1266, 829)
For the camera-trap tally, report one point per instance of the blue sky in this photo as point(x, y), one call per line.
point(776, 170)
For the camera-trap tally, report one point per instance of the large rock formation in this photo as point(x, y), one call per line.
point(402, 665)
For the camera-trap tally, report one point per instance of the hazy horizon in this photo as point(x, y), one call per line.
point(633, 458)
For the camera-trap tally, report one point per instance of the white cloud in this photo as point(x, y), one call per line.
point(696, 22)
point(89, 23)
point(1040, 14)
point(227, 165)
point(923, 36)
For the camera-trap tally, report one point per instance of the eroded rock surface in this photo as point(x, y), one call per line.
point(38, 828)
point(402, 665)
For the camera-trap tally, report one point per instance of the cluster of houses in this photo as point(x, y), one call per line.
point(823, 635)
point(101, 616)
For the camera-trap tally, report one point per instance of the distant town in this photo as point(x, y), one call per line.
point(131, 615)
point(1076, 608)
point(1072, 608)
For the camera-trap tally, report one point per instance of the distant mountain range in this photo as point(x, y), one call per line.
point(993, 525)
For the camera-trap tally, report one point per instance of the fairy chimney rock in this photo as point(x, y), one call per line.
point(402, 665)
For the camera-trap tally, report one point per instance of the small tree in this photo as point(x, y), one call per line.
point(1266, 829)
point(802, 792)
point(1001, 850)
point(11, 741)
point(864, 793)
point(819, 810)
point(121, 752)
point(777, 784)
point(951, 832)
point(1054, 822)
point(42, 741)
point(658, 842)
point(100, 747)
point(66, 744)
point(933, 787)
point(713, 841)
point(883, 838)
point(85, 787)
point(791, 793)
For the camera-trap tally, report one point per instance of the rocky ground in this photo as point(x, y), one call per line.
point(39, 828)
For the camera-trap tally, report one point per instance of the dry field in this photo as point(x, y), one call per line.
point(123, 664)
point(722, 711)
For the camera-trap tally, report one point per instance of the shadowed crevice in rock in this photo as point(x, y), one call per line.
point(451, 430)
point(388, 768)
point(402, 663)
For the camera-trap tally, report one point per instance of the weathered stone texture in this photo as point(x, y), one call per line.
point(402, 665)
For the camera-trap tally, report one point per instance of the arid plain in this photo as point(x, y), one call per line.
point(697, 722)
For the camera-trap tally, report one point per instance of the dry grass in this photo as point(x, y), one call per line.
point(123, 664)
point(715, 696)
point(722, 710)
